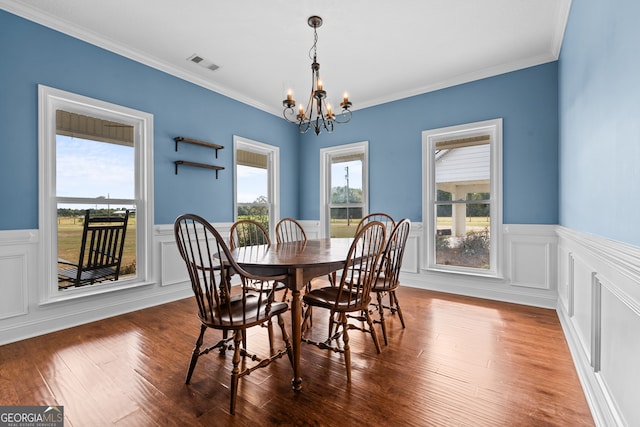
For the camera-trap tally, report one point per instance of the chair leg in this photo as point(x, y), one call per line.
point(285, 338)
point(332, 278)
point(347, 349)
point(270, 330)
point(195, 354)
point(381, 314)
point(332, 321)
point(284, 295)
point(235, 372)
point(372, 330)
point(306, 315)
point(398, 309)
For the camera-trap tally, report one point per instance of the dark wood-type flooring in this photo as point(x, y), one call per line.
point(460, 362)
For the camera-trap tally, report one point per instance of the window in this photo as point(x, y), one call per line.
point(343, 193)
point(463, 200)
point(256, 182)
point(94, 156)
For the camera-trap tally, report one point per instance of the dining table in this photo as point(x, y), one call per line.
point(301, 261)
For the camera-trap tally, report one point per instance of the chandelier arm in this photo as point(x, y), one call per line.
point(343, 117)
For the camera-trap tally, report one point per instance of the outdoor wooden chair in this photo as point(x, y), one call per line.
point(101, 250)
point(388, 278)
point(351, 294)
point(229, 309)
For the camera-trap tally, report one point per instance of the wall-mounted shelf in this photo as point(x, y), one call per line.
point(197, 165)
point(216, 147)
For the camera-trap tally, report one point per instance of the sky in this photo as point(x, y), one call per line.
point(86, 168)
point(339, 174)
point(252, 183)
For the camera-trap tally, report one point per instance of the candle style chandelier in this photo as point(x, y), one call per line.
point(318, 113)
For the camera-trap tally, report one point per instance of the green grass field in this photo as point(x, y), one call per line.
point(340, 228)
point(70, 237)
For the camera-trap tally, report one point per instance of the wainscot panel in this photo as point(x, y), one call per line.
point(528, 263)
point(16, 248)
point(600, 314)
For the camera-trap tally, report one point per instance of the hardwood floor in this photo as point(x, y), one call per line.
point(460, 362)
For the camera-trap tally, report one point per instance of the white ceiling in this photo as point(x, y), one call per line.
point(376, 50)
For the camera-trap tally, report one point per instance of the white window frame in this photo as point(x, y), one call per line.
point(326, 154)
point(429, 139)
point(273, 176)
point(50, 100)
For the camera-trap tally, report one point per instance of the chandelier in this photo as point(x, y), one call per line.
point(318, 113)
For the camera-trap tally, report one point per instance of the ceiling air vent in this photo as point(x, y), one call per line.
point(197, 59)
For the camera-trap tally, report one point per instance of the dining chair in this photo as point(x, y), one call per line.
point(384, 218)
point(235, 309)
point(290, 230)
point(247, 232)
point(388, 277)
point(351, 294)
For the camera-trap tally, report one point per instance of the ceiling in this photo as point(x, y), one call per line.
point(377, 51)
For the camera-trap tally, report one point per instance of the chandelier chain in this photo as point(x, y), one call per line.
point(314, 48)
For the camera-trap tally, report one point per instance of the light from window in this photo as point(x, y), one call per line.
point(347, 198)
point(462, 170)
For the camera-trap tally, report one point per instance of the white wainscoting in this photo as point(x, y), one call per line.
point(593, 283)
point(599, 309)
point(17, 256)
point(528, 265)
point(23, 316)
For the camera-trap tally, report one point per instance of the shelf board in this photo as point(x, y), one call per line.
point(216, 147)
point(198, 165)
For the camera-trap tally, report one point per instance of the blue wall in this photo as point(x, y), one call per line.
point(32, 54)
point(600, 120)
point(526, 100)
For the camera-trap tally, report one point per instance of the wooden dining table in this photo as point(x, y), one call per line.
point(301, 262)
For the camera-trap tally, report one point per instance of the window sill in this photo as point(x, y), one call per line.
point(91, 290)
point(465, 272)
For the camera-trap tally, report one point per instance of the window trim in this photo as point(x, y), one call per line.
point(50, 100)
point(325, 179)
point(429, 139)
point(273, 172)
